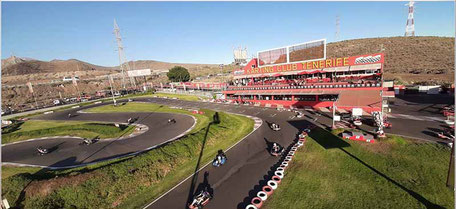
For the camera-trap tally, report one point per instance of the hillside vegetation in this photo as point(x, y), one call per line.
point(426, 59)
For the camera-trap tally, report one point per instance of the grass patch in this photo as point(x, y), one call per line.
point(131, 182)
point(82, 104)
point(41, 128)
point(179, 96)
point(392, 173)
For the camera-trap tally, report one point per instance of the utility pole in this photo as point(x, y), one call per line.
point(29, 84)
point(124, 66)
point(334, 115)
point(337, 28)
point(451, 176)
point(112, 93)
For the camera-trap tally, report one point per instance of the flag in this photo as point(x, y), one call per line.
point(29, 84)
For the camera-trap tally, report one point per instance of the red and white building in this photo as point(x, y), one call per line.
point(346, 82)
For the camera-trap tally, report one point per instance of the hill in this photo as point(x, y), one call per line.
point(20, 66)
point(157, 65)
point(423, 59)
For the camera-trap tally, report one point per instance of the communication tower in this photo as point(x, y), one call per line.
point(410, 27)
point(122, 59)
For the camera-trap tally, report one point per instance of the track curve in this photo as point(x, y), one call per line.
point(248, 162)
point(67, 152)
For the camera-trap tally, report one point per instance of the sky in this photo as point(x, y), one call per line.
point(200, 32)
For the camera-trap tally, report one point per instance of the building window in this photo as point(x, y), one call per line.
point(324, 98)
point(305, 98)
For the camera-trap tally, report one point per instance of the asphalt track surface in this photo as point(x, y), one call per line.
point(69, 151)
point(249, 163)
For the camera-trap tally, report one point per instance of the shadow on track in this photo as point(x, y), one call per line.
point(328, 141)
point(192, 191)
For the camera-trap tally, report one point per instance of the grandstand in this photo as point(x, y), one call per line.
point(316, 82)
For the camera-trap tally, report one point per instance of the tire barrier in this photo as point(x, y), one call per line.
point(290, 156)
point(280, 169)
point(268, 190)
point(257, 202)
point(251, 207)
point(262, 195)
point(277, 179)
point(272, 184)
point(278, 174)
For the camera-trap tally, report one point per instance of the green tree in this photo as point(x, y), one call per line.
point(178, 74)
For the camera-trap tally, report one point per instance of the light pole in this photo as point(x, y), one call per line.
point(334, 113)
point(112, 93)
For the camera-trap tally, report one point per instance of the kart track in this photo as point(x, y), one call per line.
point(248, 163)
point(234, 182)
point(69, 152)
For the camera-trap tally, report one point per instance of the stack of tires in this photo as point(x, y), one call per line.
point(274, 182)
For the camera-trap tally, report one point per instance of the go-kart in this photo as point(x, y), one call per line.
point(446, 134)
point(200, 200)
point(89, 141)
point(357, 122)
point(303, 135)
point(171, 121)
point(387, 124)
point(42, 151)
point(299, 115)
point(276, 151)
point(275, 127)
point(217, 163)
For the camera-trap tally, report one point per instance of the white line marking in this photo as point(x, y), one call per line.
point(411, 117)
point(254, 129)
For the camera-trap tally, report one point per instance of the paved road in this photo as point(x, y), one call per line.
point(420, 104)
point(249, 164)
point(69, 152)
